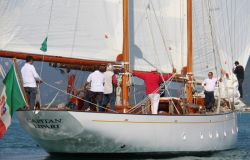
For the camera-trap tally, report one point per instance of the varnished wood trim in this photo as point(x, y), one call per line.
point(56, 59)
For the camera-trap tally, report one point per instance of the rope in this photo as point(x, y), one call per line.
point(63, 91)
point(52, 100)
point(166, 86)
point(139, 104)
point(2, 71)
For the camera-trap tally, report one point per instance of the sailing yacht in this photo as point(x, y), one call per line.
point(194, 37)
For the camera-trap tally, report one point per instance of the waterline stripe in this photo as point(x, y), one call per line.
point(126, 121)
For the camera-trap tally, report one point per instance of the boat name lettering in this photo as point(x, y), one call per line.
point(46, 123)
point(52, 126)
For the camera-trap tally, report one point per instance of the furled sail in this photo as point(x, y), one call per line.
point(220, 35)
point(81, 29)
point(158, 34)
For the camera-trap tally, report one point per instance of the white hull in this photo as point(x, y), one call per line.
point(87, 132)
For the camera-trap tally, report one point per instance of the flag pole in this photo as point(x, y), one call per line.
point(20, 81)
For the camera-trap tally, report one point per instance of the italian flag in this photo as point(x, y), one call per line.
point(12, 98)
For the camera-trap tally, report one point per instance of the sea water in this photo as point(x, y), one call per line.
point(17, 145)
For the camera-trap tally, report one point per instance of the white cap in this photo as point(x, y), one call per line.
point(110, 67)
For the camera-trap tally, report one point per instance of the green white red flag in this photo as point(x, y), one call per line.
point(11, 99)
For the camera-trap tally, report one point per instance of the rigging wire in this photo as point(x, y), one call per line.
point(50, 15)
point(231, 30)
point(182, 31)
point(163, 39)
point(76, 25)
point(52, 101)
point(211, 9)
point(153, 39)
point(161, 33)
point(199, 60)
point(234, 30)
point(74, 39)
point(152, 36)
point(225, 41)
point(214, 42)
point(43, 55)
point(212, 35)
point(205, 49)
point(72, 95)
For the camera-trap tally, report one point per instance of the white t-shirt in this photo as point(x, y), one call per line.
point(209, 84)
point(96, 80)
point(29, 75)
point(108, 86)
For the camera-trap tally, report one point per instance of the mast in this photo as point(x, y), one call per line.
point(125, 54)
point(190, 52)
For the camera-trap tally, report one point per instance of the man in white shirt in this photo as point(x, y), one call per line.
point(209, 86)
point(95, 94)
point(30, 80)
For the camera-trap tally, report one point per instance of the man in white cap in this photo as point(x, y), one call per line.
point(110, 83)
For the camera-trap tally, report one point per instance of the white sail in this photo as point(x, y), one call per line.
point(158, 34)
point(220, 35)
point(83, 29)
